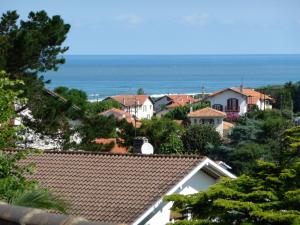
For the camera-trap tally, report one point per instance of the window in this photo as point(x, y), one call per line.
point(144, 108)
point(150, 107)
point(218, 107)
point(232, 105)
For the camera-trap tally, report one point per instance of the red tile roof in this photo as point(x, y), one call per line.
point(182, 98)
point(227, 125)
point(207, 112)
point(253, 96)
point(117, 148)
point(113, 188)
point(121, 114)
point(130, 100)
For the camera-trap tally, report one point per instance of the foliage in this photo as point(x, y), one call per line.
point(180, 112)
point(255, 136)
point(33, 45)
point(269, 194)
point(199, 139)
point(74, 97)
point(94, 108)
point(9, 98)
point(96, 127)
point(16, 189)
point(286, 97)
point(140, 91)
point(27, 48)
point(158, 130)
point(173, 145)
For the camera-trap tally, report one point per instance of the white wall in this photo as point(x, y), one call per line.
point(218, 122)
point(199, 182)
point(144, 111)
point(222, 100)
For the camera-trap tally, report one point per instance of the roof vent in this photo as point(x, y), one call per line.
point(142, 146)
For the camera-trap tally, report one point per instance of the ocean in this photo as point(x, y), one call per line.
point(105, 75)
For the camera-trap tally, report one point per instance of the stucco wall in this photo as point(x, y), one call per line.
point(218, 123)
point(222, 100)
point(200, 181)
point(144, 111)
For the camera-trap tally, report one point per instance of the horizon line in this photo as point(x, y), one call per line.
point(204, 54)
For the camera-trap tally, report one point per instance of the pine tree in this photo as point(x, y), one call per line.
point(269, 195)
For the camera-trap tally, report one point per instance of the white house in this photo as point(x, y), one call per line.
point(125, 188)
point(140, 106)
point(238, 101)
point(208, 116)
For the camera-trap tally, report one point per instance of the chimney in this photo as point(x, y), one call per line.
point(123, 101)
point(241, 88)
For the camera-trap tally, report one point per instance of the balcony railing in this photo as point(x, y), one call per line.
point(232, 109)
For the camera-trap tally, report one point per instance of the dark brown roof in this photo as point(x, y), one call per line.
point(113, 188)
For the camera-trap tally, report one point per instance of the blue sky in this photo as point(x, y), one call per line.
point(174, 26)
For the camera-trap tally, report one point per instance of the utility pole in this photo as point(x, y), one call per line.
point(135, 115)
point(202, 93)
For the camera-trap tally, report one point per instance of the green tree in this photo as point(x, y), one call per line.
point(9, 99)
point(140, 91)
point(201, 139)
point(27, 48)
point(181, 112)
point(158, 130)
point(74, 97)
point(270, 194)
point(173, 145)
point(94, 108)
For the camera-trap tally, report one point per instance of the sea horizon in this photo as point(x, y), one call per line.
point(105, 75)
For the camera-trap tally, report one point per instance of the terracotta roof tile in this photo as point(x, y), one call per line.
point(113, 188)
point(121, 114)
point(116, 148)
point(130, 100)
point(207, 112)
point(253, 96)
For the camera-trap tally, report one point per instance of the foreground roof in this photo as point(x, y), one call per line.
point(114, 188)
point(207, 112)
point(130, 100)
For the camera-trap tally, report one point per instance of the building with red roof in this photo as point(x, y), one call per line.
point(140, 106)
point(238, 101)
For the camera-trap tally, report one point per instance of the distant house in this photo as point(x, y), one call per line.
point(208, 116)
point(140, 106)
point(238, 101)
point(172, 101)
point(121, 114)
point(124, 188)
point(116, 142)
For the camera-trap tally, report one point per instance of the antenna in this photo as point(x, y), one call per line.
point(202, 92)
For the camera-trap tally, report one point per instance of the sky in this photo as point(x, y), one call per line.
point(173, 26)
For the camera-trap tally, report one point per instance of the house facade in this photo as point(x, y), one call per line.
point(140, 106)
point(238, 101)
point(124, 188)
point(208, 116)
